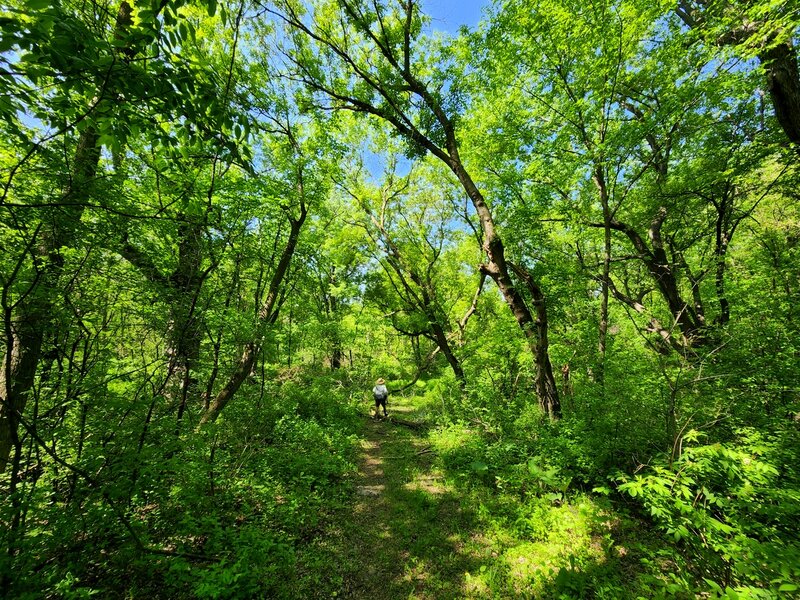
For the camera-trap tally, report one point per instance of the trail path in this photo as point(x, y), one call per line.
point(404, 537)
point(406, 534)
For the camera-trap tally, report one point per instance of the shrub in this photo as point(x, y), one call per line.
point(730, 508)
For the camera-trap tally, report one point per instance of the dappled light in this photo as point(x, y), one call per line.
point(399, 299)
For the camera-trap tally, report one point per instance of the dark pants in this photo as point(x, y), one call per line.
point(380, 401)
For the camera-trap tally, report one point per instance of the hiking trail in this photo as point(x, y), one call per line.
point(404, 536)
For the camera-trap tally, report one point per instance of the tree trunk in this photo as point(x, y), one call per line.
point(444, 345)
point(664, 275)
point(235, 381)
point(783, 82)
point(33, 321)
point(267, 315)
point(539, 342)
point(17, 509)
point(720, 252)
point(497, 268)
point(332, 312)
point(336, 356)
point(34, 314)
point(424, 301)
point(185, 322)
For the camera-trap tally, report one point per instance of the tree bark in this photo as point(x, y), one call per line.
point(664, 275)
point(723, 235)
point(443, 343)
point(267, 315)
point(538, 339)
point(180, 291)
point(496, 267)
point(33, 320)
point(422, 298)
point(186, 321)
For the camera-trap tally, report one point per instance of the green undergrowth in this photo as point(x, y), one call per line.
point(541, 539)
point(300, 493)
point(715, 520)
point(446, 526)
point(222, 512)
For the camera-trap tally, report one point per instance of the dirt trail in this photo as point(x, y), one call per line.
point(407, 534)
point(371, 468)
point(370, 528)
point(403, 538)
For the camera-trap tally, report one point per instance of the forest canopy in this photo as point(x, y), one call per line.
point(568, 239)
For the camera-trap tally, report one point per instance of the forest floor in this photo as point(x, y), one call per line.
point(409, 533)
point(403, 538)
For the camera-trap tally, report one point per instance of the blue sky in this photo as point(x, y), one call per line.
point(449, 15)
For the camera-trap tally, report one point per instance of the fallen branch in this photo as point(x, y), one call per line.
point(415, 425)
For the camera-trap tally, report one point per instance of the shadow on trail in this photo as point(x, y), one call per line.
point(407, 534)
point(411, 536)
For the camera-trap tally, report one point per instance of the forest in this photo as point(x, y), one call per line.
point(567, 237)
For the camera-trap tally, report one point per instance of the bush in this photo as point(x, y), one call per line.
point(730, 507)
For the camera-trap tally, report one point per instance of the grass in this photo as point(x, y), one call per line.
point(416, 529)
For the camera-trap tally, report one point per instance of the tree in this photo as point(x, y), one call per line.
point(28, 326)
point(300, 176)
point(368, 59)
point(103, 94)
point(409, 219)
point(608, 122)
point(764, 30)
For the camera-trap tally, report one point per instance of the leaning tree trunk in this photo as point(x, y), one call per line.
point(689, 319)
point(496, 267)
point(267, 315)
point(444, 345)
point(423, 300)
point(399, 63)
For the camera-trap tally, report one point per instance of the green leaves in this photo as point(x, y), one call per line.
point(37, 4)
point(708, 501)
point(549, 478)
point(213, 130)
point(479, 468)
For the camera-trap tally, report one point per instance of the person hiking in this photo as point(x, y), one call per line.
point(381, 393)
